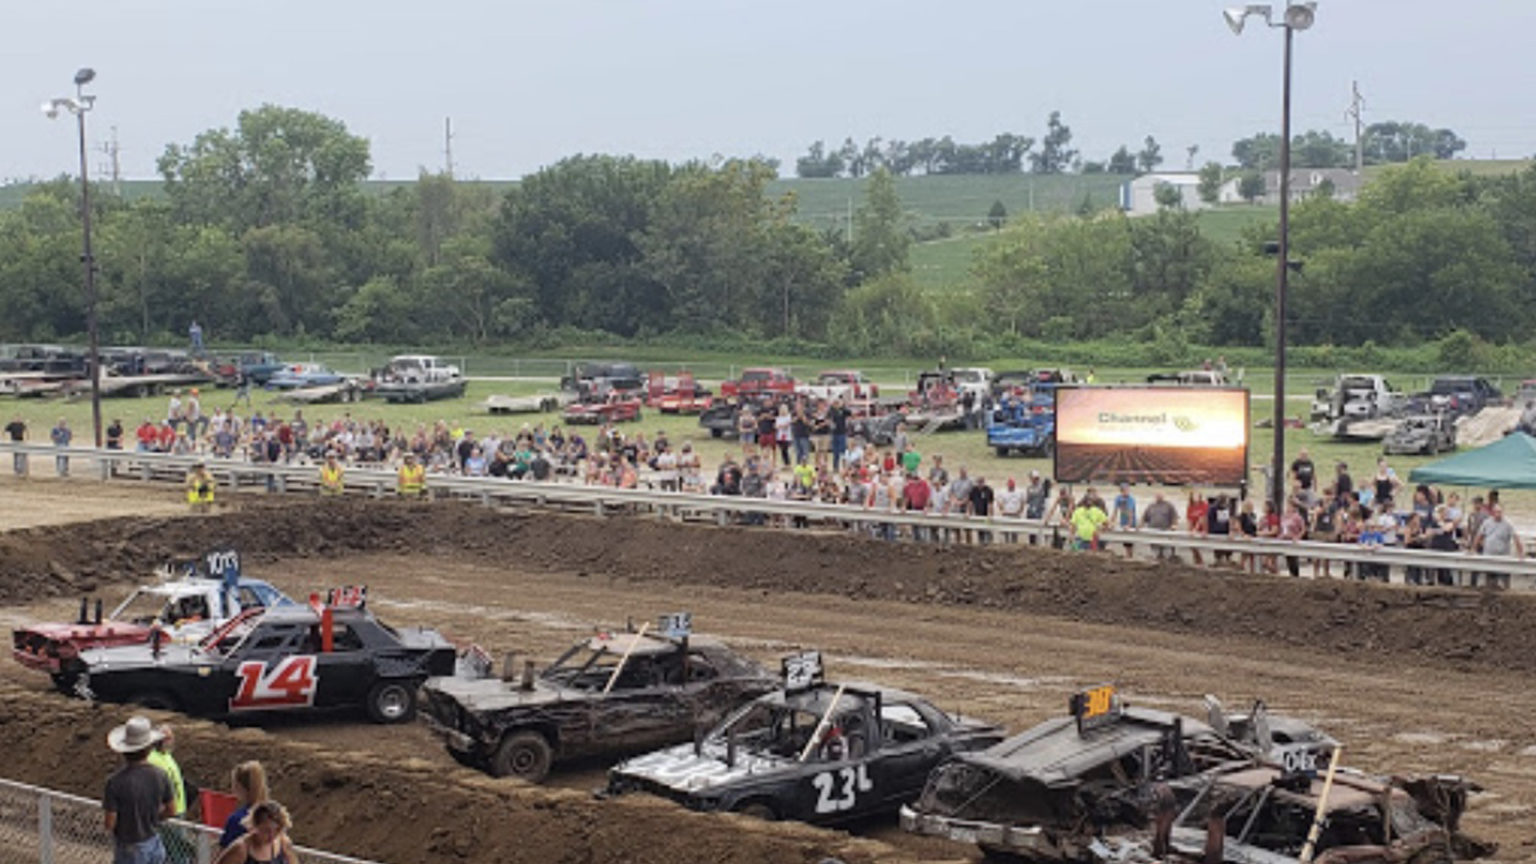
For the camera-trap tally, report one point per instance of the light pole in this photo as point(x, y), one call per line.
point(1298, 16)
point(78, 105)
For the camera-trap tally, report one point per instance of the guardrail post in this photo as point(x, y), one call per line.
point(598, 506)
point(105, 467)
point(44, 829)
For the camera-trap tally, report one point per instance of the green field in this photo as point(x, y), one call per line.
point(1225, 225)
point(962, 200)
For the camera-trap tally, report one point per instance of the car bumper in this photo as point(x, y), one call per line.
point(1029, 841)
point(454, 739)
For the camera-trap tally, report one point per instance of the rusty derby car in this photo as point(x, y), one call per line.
point(1050, 792)
point(609, 694)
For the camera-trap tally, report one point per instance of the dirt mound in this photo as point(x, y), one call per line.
point(1459, 628)
point(361, 804)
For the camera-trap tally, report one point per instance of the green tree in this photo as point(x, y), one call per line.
point(1122, 162)
point(1210, 182)
point(1150, 156)
point(1055, 152)
point(881, 242)
point(1250, 186)
point(997, 215)
point(1168, 196)
point(887, 314)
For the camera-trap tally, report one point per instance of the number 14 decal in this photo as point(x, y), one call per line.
point(839, 790)
point(289, 683)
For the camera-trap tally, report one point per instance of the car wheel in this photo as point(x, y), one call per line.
point(158, 700)
point(1001, 451)
point(716, 433)
point(757, 810)
point(524, 755)
point(392, 701)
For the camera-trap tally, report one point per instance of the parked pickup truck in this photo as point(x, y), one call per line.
point(1356, 398)
point(846, 384)
point(758, 381)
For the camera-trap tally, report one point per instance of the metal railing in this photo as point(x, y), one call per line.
point(52, 827)
point(1397, 565)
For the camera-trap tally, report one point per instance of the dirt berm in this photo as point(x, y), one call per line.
point(361, 804)
point(1459, 628)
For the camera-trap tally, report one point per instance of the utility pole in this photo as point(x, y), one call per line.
point(113, 165)
point(1356, 109)
point(448, 143)
point(850, 221)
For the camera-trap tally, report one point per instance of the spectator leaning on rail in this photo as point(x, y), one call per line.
point(1497, 537)
point(332, 476)
point(200, 489)
point(1160, 515)
point(1124, 514)
point(16, 430)
point(411, 479)
point(1088, 519)
point(61, 436)
point(138, 796)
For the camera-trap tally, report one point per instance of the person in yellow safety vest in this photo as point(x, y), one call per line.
point(200, 488)
point(412, 479)
point(332, 476)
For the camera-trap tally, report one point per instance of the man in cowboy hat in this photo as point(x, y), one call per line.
point(138, 795)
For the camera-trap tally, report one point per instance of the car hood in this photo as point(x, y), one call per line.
point(494, 694)
point(88, 633)
point(681, 769)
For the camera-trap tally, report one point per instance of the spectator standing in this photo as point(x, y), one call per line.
point(266, 838)
point(1385, 482)
point(1010, 504)
point(1088, 520)
point(178, 846)
point(411, 479)
point(16, 430)
point(1303, 472)
point(1497, 537)
point(837, 420)
point(800, 433)
point(1343, 484)
point(1036, 497)
point(1292, 527)
point(783, 434)
point(195, 334)
point(115, 435)
point(982, 497)
point(200, 489)
point(1160, 515)
point(1195, 513)
point(1218, 524)
point(61, 436)
point(242, 387)
point(138, 796)
point(1124, 514)
point(248, 781)
point(173, 410)
point(915, 497)
point(332, 476)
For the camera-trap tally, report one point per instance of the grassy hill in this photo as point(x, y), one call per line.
point(958, 199)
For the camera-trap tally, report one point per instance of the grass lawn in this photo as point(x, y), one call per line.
point(946, 263)
point(1225, 225)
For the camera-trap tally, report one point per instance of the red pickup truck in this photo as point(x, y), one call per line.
point(758, 381)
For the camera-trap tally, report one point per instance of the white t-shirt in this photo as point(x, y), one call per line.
point(1011, 502)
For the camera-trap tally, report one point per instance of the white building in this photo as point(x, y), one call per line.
point(1138, 197)
point(1305, 182)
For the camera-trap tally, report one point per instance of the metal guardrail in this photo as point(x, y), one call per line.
point(52, 827)
point(1391, 564)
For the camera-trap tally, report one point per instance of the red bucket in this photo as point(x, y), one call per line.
point(216, 807)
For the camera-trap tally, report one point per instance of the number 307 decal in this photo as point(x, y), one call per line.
point(839, 790)
point(289, 683)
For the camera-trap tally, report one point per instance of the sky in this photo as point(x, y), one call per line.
point(529, 83)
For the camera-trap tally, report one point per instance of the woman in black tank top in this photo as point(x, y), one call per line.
point(266, 838)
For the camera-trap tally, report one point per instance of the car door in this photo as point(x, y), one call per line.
point(645, 708)
point(910, 746)
point(344, 673)
point(269, 671)
point(843, 777)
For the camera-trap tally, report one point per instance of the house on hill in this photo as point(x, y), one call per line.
point(1305, 182)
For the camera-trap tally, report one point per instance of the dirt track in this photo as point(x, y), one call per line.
point(1410, 681)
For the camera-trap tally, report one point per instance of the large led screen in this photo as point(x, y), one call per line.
point(1169, 435)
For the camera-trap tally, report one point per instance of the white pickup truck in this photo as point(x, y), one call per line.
point(1340, 410)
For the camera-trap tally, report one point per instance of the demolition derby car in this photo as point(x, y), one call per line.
point(1263, 814)
point(612, 693)
point(1048, 793)
point(288, 658)
point(812, 751)
point(208, 592)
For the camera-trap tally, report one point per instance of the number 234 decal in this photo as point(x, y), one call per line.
point(839, 790)
point(288, 683)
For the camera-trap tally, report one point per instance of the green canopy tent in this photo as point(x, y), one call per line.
point(1509, 463)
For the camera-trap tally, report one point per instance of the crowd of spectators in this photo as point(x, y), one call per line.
point(785, 455)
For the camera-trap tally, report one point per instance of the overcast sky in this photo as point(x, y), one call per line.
point(528, 83)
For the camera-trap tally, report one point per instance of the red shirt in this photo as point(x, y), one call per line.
point(916, 493)
point(1196, 515)
point(167, 436)
point(147, 434)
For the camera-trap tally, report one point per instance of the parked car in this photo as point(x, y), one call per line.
point(613, 408)
point(1462, 394)
point(287, 658)
point(759, 381)
point(612, 693)
point(849, 385)
point(300, 375)
point(1422, 433)
point(602, 378)
point(812, 751)
point(1190, 378)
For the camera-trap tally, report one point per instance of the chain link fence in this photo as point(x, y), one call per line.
point(49, 827)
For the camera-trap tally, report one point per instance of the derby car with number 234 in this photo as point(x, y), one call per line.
point(813, 752)
point(288, 658)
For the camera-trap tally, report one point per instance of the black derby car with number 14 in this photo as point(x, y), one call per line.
point(813, 752)
point(288, 658)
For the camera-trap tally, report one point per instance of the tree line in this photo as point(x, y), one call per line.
point(266, 232)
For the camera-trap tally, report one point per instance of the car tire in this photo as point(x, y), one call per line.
point(716, 433)
point(525, 755)
point(392, 701)
point(156, 700)
point(757, 809)
point(1001, 451)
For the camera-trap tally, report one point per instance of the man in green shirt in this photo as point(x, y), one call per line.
point(1087, 521)
point(178, 846)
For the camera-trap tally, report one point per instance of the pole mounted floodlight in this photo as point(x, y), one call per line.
point(1297, 17)
point(78, 105)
